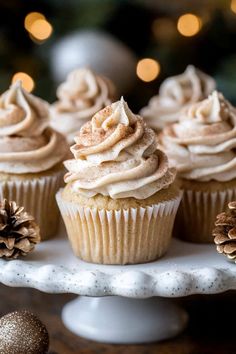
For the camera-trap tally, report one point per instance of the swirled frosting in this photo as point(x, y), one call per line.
point(27, 144)
point(82, 95)
point(202, 145)
point(176, 93)
point(116, 155)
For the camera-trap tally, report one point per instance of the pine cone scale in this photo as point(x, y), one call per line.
point(220, 248)
point(230, 248)
point(7, 253)
point(220, 239)
point(232, 234)
point(24, 245)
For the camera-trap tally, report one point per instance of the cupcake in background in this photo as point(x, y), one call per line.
point(82, 95)
point(176, 93)
point(202, 146)
point(31, 155)
point(120, 200)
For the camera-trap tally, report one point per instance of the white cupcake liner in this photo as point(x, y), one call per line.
point(130, 236)
point(37, 196)
point(197, 214)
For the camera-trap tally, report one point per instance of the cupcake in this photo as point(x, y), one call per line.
point(176, 93)
point(82, 95)
point(202, 147)
point(120, 199)
point(31, 154)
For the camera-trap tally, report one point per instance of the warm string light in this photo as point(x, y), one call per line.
point(233, 6)
point(189, 25)
point(27, 81)
point(31, 18)
point(37, 26)
point(41, 29)
point(148, 69)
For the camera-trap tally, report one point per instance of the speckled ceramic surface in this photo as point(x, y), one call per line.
point(186, 269)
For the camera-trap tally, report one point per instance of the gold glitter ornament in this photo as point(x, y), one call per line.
point(21, 332)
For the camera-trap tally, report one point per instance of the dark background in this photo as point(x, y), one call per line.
point(212, 49)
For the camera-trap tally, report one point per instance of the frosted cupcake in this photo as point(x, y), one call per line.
point(202, 147)
point(82, 95)
point(120, 201)
point(176, 93)
point(30, 156)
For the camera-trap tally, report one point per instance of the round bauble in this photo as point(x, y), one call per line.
point(98, 50)
point(21, 332)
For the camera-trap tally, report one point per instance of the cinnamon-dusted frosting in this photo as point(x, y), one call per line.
point(116, 155)
point(82, 95)
point(202, 145)
point(27, 144)
point(176, 93)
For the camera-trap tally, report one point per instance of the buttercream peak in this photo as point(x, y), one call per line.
point(211, 110)
point(117, 113)
point(16, 85)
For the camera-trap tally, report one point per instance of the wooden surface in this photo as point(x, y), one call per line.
point(211, 329)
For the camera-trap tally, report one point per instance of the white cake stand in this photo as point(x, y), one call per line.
point(138, 312)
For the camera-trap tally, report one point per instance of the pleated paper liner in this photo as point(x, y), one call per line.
point(38, 198)
point(197, 213)
point(135, 235)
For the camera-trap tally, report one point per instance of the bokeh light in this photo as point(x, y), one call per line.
point(31, 18)
point(41, 29)
point(233, 6)
point(148, 69)
point(27, 81)
point(189, 25)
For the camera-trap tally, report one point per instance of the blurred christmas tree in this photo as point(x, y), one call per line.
point(172, 33)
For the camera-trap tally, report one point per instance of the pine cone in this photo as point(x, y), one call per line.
point(18, 231)
point(225, 232)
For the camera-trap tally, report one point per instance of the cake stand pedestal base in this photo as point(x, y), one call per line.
point(122, 320)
